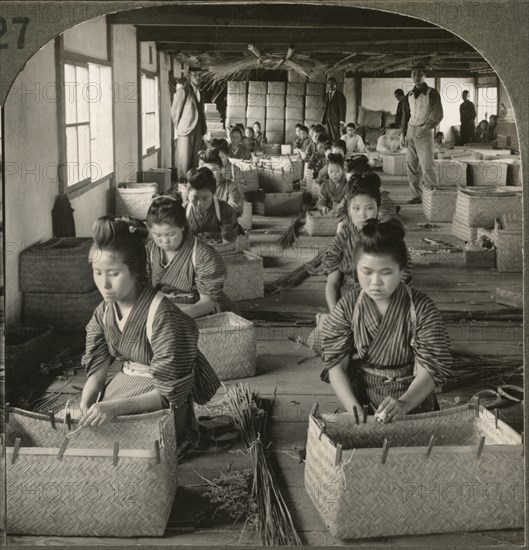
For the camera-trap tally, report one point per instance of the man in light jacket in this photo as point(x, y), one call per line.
point(189, 119)
point(422, 113)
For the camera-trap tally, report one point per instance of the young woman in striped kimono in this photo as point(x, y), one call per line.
point(362, 203)
point(208, 217)
point(226, 190)
point(188, 271)
point(153, 343)
point(385, 344)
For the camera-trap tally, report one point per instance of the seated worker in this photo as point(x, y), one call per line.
point(237, 150)
point(249, 139)
point(390, 142)
point(481, 132)
point(154, 343)
point(188, 271)
point(491, 135)
point(259, 137)
point(208, 217)
point(227, 190)
point(362, 203)
point(353, 142)
point(223, 149)
point(334, 187)
point(336, 147)
point(296, 144)
point(318, 159)
point(304, 140)
point(385, 344)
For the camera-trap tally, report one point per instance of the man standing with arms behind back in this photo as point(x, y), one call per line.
point(467, 113)
point(335, 110)
point(422, 113)
point(189, 119)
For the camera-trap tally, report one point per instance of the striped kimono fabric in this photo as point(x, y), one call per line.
point(178, 371)
point(410, 334)
point(209, 226)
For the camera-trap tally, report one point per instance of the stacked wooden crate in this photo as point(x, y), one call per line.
point(314, 103)
point(275, 112)
point(295, 109)
point(256, 105)
point(236, 103)
point(214, 121)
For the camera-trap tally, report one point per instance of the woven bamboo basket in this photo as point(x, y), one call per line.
point(450, 173)
point(293, 162)
point(411, 487)
point(318, 224)
point(508, 239)
point(272, 148)
point(463, 231)
point(514, 172)
point(276, 177)
point(439, 204)
point(241, 243)
point(479, 207)
point(245, 221)
point(95, 488)
point(478, 257)
point(486, 173)
point(57, 265)
point(65, 312)
point(245, 276)
point(245, 174)
point(161, 176)
point(394, 164)
point(26, 347)
point(280, 204)
point(135, 199)
point(228, 343)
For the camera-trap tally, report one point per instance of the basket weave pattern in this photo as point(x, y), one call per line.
point(26, 347)
point(508, 238)
point(318, 224)
point(245, 174)
point(487, 173)
point(84, 494)
point(245, 276)
point(450, 173)
point(412, 493)
point(283, 204)
point(135, 199)
point(394, 164)
point(228, 343)
point(439, 204)
point(57, 265)
point(276, 177)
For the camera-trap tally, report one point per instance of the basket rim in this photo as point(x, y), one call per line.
point(226, 315)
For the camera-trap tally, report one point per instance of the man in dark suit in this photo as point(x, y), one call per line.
point(334, 113)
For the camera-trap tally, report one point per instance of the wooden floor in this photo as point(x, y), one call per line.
point(291, 370)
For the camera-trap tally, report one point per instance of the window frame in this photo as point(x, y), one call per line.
point(152, 149)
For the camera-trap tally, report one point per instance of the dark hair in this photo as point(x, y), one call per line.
point(365, 184)
point(236, 129)
point(167, 209)
point(303, 128)
point(210, 156)
point(465, 92)
point(351, 125)
point(398, 91)
point(322, 140)
point(125, 238)
point(220, 145)
point(331, 78)
point(250, 128)
point(335, 158)
point(201, 178)
point(258, 124)
point(439, 134)
point(328, 145)
point(299, 126)
point(382, 238)
point(340, 143)
point(358, 164)
point(394, 126)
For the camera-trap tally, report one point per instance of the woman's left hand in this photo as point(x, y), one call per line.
point(391, 409)
point(99, 414)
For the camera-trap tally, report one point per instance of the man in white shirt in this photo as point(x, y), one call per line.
point(353, 142)
point(422, 113)
point(390, 141)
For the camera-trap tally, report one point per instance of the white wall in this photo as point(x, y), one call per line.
point(377, 93)
point(349, 90)
point(145, 61)
point(31, 143)
point(90, 206)
point(88, 38)
point(451, 90)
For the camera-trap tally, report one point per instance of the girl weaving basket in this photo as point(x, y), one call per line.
point(152, 341)
point(384, 343)
point(188, 271)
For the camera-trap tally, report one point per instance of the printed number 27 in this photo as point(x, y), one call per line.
point(24, 21)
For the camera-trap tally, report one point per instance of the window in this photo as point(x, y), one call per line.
point(150, 114)
point(451, 91)
point(486, 102)
point(88, 102)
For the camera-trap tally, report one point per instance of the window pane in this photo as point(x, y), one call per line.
point(451, 90)
point(70, 94)
point(84, 152)
point(83, 91)
point(101, 121)
point(72, 168)
point(487, 102)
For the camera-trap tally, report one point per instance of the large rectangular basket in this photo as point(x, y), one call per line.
point(483, 173)
point(463, 231)
point(450, 173)
point(508, 239)
point(65, 312)
point(135, 199)
point(245, 174)
point(57, 265)
point(245, 276)
point(319, 224)
point(241, 243)
point(276, 177)
point(411, 487)
point(245, 221)
point(394, 164)
point(228, 343)
point(279, 204)
point(160, 176)
point(439, 204)
point(117, 480)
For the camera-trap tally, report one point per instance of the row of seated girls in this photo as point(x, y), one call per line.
point(244, 141)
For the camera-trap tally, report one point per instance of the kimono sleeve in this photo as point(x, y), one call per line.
point(210, 272)
point(228, 222)
point(322, 174)
point(337, 338)
point(97, 354)
point(235, 197)
point(360, 145)
point(174, 347)
point(432, 343)
point(333, 257)
point(324, 197)
point(149, 247)
point(407, 277)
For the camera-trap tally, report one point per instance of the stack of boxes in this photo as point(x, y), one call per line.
point(314, 103)
point(236, 103)
point(294, 110)
point(256, 106)
point(214, 122)
point(275, 112)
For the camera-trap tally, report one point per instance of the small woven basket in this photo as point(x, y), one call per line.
point(319, 224)
point(276, 177)
point(135, 199)
point(439, 204)
point(245, 221)
point(486, 173)
point(245, 276)
point(450, 173)
point(65, 312)
point(411, 487)
point(241, 243)
point(245, 174)
point(463, 231)
point(228, 343)
point(57, 265)
point(94, 489)
point(508, 239)
point(394, 164)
